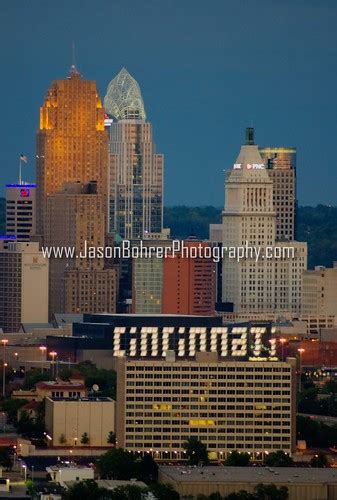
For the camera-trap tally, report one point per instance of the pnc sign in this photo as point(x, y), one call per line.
point(249, 166)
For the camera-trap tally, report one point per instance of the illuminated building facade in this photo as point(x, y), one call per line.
point(248, 406)
point(72, 145)
point(281, 166)
point(136, 170)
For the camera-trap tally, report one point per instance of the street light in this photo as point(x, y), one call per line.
point(4, 343)
point(283, 341)
point(301, 351)
point(25, 471)
point(43, 350)
point(53, 355)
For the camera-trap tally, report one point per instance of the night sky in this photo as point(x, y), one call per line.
point(207, 69)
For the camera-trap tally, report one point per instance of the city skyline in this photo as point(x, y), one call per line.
point(292, 90)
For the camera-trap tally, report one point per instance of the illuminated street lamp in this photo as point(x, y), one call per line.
point(283, 341)
point(301, 351)
point(4, 343)
point(43, 350)
point(53, 355)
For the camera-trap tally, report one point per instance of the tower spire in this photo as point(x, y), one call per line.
point(73, 68)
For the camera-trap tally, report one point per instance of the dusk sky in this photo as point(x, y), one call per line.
point(207, 69)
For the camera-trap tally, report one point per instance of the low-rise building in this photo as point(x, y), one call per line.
point(80, 421)
point(302, 483)
point(71, 472)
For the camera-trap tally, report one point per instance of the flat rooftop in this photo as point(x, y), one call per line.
point(84, 400)
point(285, 475)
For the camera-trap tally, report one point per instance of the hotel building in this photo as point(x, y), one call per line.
point(23, 286)
point(228, 404)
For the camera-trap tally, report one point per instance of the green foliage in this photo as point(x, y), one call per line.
point(316, 434)
point(88, 490)
point(164, 491)
point(261, 492)
point(11, 407)
point(237, 459)
point(34, 376)
point(85, 438)
point(105, 379)
point(196, 451)
point(148, 468)
point(5, 458)
point(316, 225)
point(215, 496)
point(111, 439)
point(191, 221)
point(62, 439)
point(330, 386)
point(319, 460)
point(270, 492)
point(31, 488)
point(278, 459)
point(30, 429)
point(118, 464)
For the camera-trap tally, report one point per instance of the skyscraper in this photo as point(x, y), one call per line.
point(72, 197)
point(72, 145)
point(281, 165)
point(136, 170)
point(269, 281)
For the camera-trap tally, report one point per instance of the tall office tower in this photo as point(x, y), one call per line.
point(270, 280)
point(281, 165)
point(72, 145)
point(76, 219)
point(189, 282)
point(20, 211)
point(23, 286)
point(136, 170)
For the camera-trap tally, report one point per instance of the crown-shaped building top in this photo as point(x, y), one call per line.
point(123, 99)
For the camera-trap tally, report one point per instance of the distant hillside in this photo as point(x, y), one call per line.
point(316, 225)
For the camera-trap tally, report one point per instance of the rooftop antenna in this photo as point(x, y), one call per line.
point(73, 69)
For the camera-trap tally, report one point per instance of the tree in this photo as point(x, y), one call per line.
point(215, 496)
point(237, 459)
point(87, 489)
point(111, 439)
point(118, 464)
point(11, 406)
point(5, 458)
point(34, 376)
point(196, 451)
point(319, 460)
point(129, 492)
point(148, 468)
point(241, 495)
point(85, 438)
point(278, 459)
point(271, 492)
point(164, 491)
point(330, 386)
point(62, 439)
